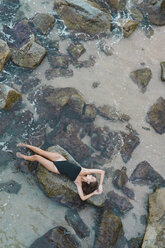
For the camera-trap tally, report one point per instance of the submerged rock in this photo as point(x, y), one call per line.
point(110, 230)
point(4, 53)
point(60, 188)
point(105, 48)
point(129, 27)
point(154, 11)
point(83, 17)
point(135, 242)
point(56, 237)
point(11, 187)
point(58, 72)
point(130, 142)
point(8, 96)
point(74, 220)
point(142, 77)
point(43, 22)
point(59, 61)
point(89, 112)
point(120, 178)
point(162, 64)
point(144, 174)
point(111, 113)
point(28, 56)
point(19, 35)
point(76, 103)
point(106, 141)
point(85, 63)
point(8, 8)
point(117, 203)
point(154, 236)
point(156, 116)
point(76, 49)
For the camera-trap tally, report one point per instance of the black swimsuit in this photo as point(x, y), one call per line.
point(68, 169)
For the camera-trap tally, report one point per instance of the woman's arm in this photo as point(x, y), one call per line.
point(81, 193)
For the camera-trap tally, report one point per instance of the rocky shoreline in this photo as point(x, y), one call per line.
point(63, 119)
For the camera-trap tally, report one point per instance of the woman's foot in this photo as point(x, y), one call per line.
point(20, 155)
point(22, 144)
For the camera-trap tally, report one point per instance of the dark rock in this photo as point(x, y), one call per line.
point(37, 135)
point(111, 113)
point(58, 72)
point(131, 141)
point(117, 203)
point(143, 219)
point(76, 50)
point(120, 178)
point(43, 22)
point(11, 187)
point(162, 64)
point(59, 61)
point(156, 115)
point(163, 5)
point(142, 77)
point(56, 237)
point(135, 242)
point(27, 83)
point(128, 192)
point(83, 18)
point(153, 11)
point(74, 220)
point(5, 119)
point(84, 64)
point(107, 142)
point(109, 231)
point(95, 84)
point(19, 35)
point(73, 145)
point(144, 174)
point(60, 188)
point(5, 159)
point(24, 166)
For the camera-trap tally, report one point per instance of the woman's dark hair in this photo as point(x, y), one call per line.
point(89, 188)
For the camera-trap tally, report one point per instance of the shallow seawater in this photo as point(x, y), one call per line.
point(26, 216)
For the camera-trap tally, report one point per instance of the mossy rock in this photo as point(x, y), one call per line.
point(60, 188)
point(8, 97)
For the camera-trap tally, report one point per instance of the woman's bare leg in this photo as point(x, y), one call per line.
point(50, 155)
point(45, 162)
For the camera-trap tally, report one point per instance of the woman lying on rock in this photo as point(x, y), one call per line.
point(55, 162)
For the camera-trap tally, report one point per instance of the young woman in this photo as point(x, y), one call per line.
point(58, 164)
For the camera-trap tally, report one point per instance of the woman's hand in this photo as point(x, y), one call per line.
point(100, 189)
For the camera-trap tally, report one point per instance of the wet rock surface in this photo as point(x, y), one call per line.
point(120, 178)
point(56, 237)
point(4, 53)
point(59, 60)
point(8, 96)
point(75, 221)
point(105, 48)
point(29, 56)
point(43, 22)
point(129, 27)
point(75, 50)
point(162, 64)
point(61, 189)
point(11, 187)
point(144, 174)
point(83, 18)
point(135, 242)
point(142, 77)
point(110, 230)
point(154, 236)
point(117, 203)
point(156, 116)
point(85, 63)
point(154, 11)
